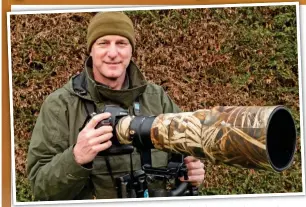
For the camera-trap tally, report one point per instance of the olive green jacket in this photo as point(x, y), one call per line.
point(52, 170)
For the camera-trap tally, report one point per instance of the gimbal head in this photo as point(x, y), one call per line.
point(155, 182)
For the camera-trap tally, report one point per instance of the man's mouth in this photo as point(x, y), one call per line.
point(112, 63)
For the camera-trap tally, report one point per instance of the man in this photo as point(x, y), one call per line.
point(62, 158)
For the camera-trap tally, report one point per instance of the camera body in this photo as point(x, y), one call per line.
point(116, 114)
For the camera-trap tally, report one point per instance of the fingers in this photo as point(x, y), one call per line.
point(100, 139)
point(91, 141)
point(194, 164)
point(100, 131)
point(190, 159)
point(196, 170)
point(89, 130)
point(96, 119)
point(101, 147)
point(195, 180)
point(195, 174)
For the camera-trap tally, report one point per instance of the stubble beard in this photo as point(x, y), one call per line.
point(100, 76)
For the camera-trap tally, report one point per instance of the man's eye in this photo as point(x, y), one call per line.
point(102, 43)
point(122, 43)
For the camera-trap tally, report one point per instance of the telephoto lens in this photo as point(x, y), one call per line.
point(242, 136)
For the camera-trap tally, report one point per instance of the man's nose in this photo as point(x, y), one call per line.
point(112, 51)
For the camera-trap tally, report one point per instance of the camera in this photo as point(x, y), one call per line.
point(116, 114)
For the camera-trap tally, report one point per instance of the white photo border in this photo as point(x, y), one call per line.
point(97, 8)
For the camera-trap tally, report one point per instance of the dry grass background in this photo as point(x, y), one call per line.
point(201, 57)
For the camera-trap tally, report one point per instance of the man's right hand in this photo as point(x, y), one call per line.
point(91, 141)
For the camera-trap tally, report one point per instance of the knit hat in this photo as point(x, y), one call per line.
point(110, 23)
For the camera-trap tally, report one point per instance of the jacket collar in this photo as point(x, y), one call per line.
point(135, 84)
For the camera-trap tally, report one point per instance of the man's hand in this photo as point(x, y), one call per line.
point(91, 141)
point(195, 171)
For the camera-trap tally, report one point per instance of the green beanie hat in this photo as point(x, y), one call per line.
point(110, 23)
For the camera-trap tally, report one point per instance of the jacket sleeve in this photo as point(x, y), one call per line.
point(51, 168)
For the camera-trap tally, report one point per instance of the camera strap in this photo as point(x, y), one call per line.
point(90, 108)
point(109, 169)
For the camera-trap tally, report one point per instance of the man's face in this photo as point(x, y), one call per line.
point(111, 55)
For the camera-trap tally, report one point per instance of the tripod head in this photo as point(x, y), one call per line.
point(155, 182)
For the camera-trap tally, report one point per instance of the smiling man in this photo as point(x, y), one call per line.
point(63, 161)
point(111, 55)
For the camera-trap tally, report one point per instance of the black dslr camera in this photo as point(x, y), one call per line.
point(116, 114)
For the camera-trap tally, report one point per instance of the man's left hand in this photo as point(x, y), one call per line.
point(195, 171)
